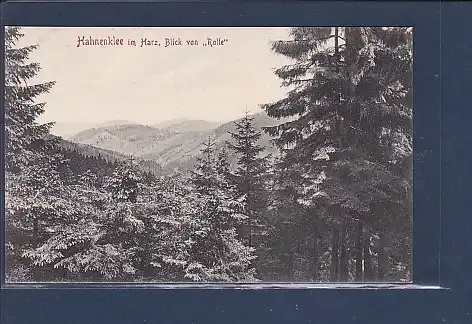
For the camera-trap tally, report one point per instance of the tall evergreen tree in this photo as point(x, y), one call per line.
point(216, 253)
point(21, 110)
point(124, 226)
point(31, 176)
point(250, 175)
point(349, 100)
point(165, 206)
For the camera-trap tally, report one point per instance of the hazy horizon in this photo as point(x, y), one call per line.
point(148, 85)
point(70, 128)
point(150, 123)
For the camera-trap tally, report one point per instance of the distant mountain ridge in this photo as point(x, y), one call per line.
point(68, 129)
point(185, 126)
point(175, 145)
point(130, 139)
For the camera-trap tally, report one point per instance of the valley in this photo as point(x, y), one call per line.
point(174, 145)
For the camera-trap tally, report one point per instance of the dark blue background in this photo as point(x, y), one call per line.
point(442, 193)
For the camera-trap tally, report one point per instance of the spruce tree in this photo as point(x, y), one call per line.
point(216, 253)
point(124, 225)
point(21, 110)
point(70, 250)
point(98, 240)
point(249, 177)
point(349, 100)
point(31, 175)
point(123, 184)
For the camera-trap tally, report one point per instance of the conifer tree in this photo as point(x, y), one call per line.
point(249, 177)
point(70, 251)
point(97, 240)
point(167, 209)
point(123, 184)
point(31, 176)
point(21, 110)
point(117, 235)
point(294, 223)
point(123, 225)
point(216, 253)
point(349, 100)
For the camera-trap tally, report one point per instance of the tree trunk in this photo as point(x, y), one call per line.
point(383, 258)
point(314, 270)
point(249, 221)
point(290, 266)
point(36, 232)
point(338, 122)
point(368, 273)
point(334, 254)
point(359, 250)
point(36, 270)
point(343, 261)
point(336, 41)
point(146, 260)
point(290, 253)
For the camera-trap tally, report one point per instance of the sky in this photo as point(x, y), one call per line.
point(152, 84)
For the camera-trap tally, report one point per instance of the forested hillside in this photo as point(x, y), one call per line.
point(330, 200)
point(174, 145)
point(84, 153)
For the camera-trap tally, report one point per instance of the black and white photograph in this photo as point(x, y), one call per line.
point(208, 155)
